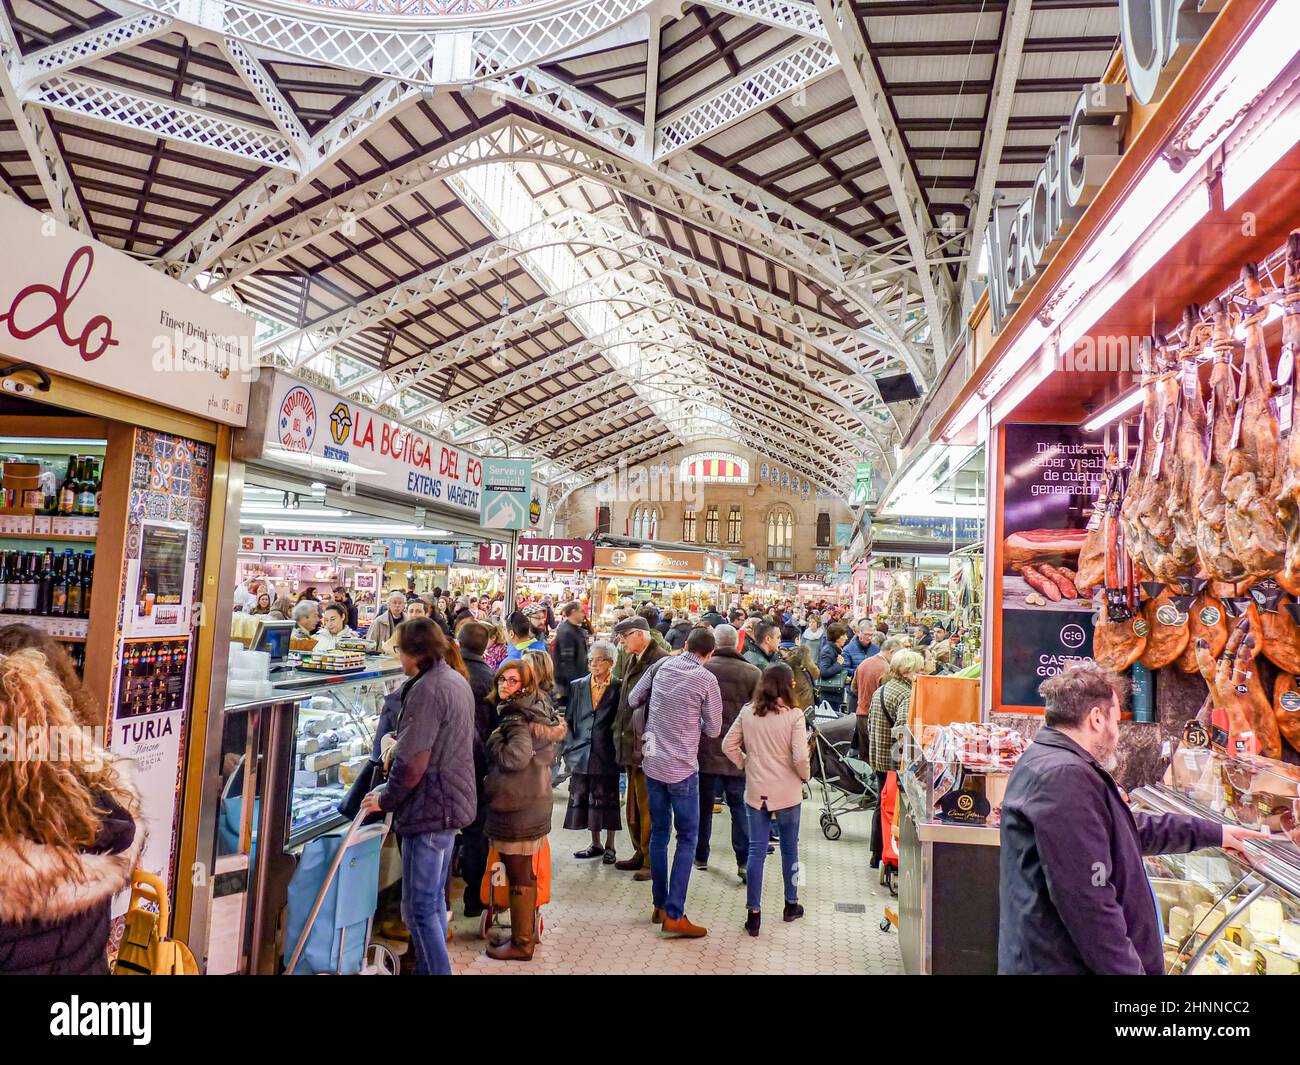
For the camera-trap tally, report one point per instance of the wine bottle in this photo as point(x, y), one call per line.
point(99, 487)
point(87, 578)
point(73, 586)
point(13, 590)
point(45, 585)
point(68, 489)
point(27, 589)
point(86, 489)
point(59, 586)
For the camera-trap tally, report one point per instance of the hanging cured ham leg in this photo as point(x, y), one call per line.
point(1288, 499)
point(1212, 546)
point(1252, 469)
point(1135, 484)
point(1286, 708)
point(1152, 524)
point(1187, 465)
point(1206, 621)
point(1235, 690)
point(1166, 631)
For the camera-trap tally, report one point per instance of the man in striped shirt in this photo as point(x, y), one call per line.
point(681, 699)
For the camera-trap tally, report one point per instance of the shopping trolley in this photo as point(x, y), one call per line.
point(332, 900)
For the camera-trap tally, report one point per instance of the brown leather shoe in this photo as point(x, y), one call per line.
point(657, 916)
point(523, 928)
point(681, 928)
point(628, 864)
point(643, 874)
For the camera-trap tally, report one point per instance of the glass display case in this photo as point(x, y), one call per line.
point(1222, 915)
point(334, 732)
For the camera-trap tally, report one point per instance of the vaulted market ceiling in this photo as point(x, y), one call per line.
point(587, 231)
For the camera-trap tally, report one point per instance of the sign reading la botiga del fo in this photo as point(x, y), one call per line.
point(1019, 242)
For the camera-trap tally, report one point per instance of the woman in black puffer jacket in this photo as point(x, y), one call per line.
point(521, 752)
point(69, 832)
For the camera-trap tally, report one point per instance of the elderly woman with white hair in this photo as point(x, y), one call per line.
point(886, 718)
point(589, 754)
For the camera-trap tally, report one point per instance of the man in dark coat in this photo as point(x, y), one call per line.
point(711, 617)
point(642, 653)
point(473, 640)
point(761, 651)
point(1074, 896)
point(736, 680)
point(570, 651)
point(665, 623)
point(677, 634)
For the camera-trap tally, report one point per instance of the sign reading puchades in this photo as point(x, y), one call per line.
point(1019, 242)
point(1050, 475)
point(74, 306)
point(562, 556)
point(319, 430)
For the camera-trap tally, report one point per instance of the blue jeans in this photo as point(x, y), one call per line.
point(426, 860)
point(759, 820)
point(673, 804)
point(734, 789)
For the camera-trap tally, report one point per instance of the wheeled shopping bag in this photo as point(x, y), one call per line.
point(494, 892)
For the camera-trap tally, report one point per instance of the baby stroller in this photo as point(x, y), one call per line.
point(332, 898)
point(495, 890)
point(847, 784)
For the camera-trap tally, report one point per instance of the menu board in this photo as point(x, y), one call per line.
point(161, 579)
point(1050, 477)
point(153, 676)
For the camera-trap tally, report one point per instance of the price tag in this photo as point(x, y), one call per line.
point(18, 524)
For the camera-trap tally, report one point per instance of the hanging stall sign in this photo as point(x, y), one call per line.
point(364, 447)
point(419, 552)
point(1050, 476)
point(317, 546)
point(78, 307)
point(662, 564)
point(563, 556)
point(507, 494)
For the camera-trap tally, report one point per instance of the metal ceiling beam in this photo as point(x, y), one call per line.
point(1018, 16)
point(751, 92)
point(37, 137)
point(794, 15)
point(846, 35)
point(92, 45)
point(274, 103)
point(151, 116)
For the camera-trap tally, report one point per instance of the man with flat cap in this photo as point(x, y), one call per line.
point(640, 652)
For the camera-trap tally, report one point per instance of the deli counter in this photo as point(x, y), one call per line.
point(1221, 915)
point(288, 756)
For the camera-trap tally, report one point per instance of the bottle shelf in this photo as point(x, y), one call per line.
point(58, 537)
point(71, 527)
point(60, 628)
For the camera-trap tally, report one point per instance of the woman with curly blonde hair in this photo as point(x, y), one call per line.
point(70, 832)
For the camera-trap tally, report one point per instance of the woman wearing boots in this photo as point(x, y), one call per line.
point(518, 787)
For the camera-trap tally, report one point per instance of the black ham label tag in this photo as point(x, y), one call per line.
point(1140, 627)
point(1290, 701)
point(1210, 615)
point(1195, 735)
point(1169, 615)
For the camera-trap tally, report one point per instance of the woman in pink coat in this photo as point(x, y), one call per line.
point(769, 741)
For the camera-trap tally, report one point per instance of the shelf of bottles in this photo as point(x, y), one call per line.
point(50, 492)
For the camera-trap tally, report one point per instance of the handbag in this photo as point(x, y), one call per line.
point(365, 782)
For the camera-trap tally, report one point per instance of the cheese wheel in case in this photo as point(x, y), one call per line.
point(1265, 915)
point(1269, 961)
point(1234, 960)
point(1180, 923)
point(1288, 937)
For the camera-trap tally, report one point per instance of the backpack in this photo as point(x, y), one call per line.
point(145, 951)
point(804, 686)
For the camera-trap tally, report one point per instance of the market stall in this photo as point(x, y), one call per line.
point(293, 565)
point(115, 505)
point(1134, 364)
point(558, 569)
point(417, 564)
point(678, 577)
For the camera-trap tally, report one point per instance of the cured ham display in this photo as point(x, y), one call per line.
point(1286, 708)
point(1185, 470)
point(1288, 499)
point(1222, 677)
point(1092, 555)
point(1279, 633)
point(1212, 545)
point(1035, 545)
point(1252, 471)
point(1166, 631)
point(1206, 621)
point(1118, 644)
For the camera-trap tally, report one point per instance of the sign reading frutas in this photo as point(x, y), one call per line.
point(78, 307)
point(506, 494)
point(1019, 242)
point(319, 546)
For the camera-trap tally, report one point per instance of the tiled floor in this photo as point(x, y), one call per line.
point(598, 921)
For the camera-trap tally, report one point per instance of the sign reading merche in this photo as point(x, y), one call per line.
point(661, 564)
point(563, 556)
point(363, 444)
point(1019, 242)
point(360, 551)
point(74, 306)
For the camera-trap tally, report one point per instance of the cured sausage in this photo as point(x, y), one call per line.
point(1061, 578)
point(1041, 583)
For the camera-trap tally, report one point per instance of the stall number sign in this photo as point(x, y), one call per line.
point(377, 451)
point(326, 547)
